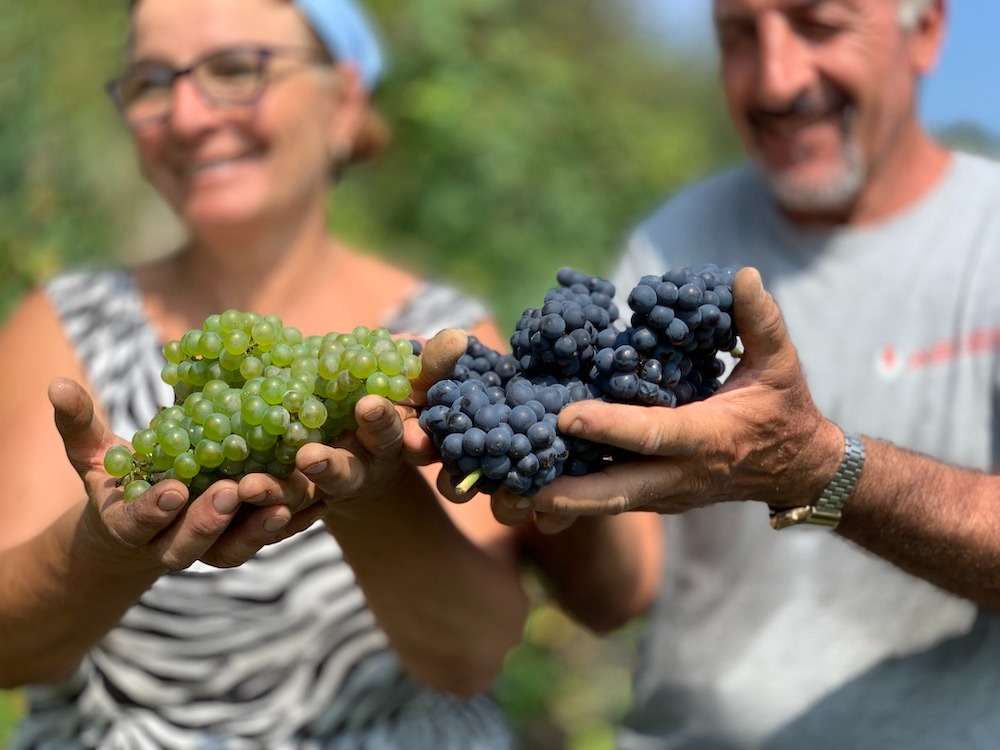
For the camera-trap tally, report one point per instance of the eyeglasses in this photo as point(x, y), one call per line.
point(235, 76)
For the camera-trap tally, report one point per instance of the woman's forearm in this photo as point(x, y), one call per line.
point(58, 598)
point(450, 609)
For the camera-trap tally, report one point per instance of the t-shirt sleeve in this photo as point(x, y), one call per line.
point(434, 307)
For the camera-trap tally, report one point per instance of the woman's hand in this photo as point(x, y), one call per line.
point(163, 530)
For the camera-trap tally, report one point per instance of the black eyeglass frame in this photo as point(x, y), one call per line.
point(263, 53)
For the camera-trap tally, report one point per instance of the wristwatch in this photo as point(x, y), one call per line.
point(829, 508)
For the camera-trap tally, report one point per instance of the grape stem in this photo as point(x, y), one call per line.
point(737, 352)
point(466, 485)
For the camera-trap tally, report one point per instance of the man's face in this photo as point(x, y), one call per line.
point(818, 90)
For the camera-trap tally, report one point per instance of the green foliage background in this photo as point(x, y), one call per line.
point(528, 135)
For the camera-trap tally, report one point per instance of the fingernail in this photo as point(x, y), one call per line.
point(522, 504)
point(575, 427)
point(170, 501)
point(226, 502)
point(273, 525)
point(317, 468)
point(374, 415)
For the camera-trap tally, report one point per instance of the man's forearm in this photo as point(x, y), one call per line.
point(932, 520)
point(450, 609)
point(57, 600)
point(603, 570)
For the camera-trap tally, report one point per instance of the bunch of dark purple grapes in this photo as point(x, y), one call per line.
point(495, 420)
point(562, 337)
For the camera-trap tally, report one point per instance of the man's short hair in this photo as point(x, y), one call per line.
point(911, 11)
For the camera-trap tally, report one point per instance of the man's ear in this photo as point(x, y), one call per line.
point(927, 37)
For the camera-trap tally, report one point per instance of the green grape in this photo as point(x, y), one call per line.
point(185, 372)
point(381, 333)
point(315, 436)
point(230, 362)
point(307, 364)
point(196, 433)
point(390, 363)
point(201, 483)
point(364, 364)
point(296, 435)
point(199, 373)
point(175, 441)
point(144, 442)
point(236, 423)
point(190, 401)
point(261, 456)
point(231, 468)
point(209, 454)
point(294, 399)
point(173, 352)
point(362, 334)
point(253, 411)
point(264, 334)
point(217, 427)
point(260, 439)
point(412, 366)
point(273, 371)
point(210, 346)
point(251, 368)
point(404, 348)
point(118, 461)
point(230, 320)
point(252, 387)
point(182, 391)
point(279, 469)
point(214, 371)
point(213, 323)
point(329, 366)
point(135, 490)
point(250, 319)
point(170, 374)
point(348, 341)
point(346, 385)
point(305, 383)
point(291, 336)
point(254, 467)
point(281, 354)
point(190, 342)
point(276, 420)
point(378, 384)
point(285, 453)
point(186, 466)
point(202, 411)
point(236, 342)
point(400, 388)
point(229, 403)
point(174, 414)
point(381, 346)
point(314, 342)
point(275, 322)
point(273, 390)
point(163, 426)
point(313, 413)
point(160, 461)
point(235, 448)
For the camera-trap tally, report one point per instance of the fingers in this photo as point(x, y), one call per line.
point(200, 527)
point(337, 472)
point(758, 318)
point(84, 435)
point(618, 489)
point(380, 429)
point(418, 448)
point(248, 534)
point(551, 524)
point(510, 509)
point(439, 358)
point(646, 430)
point(293, 492)
point(135, 524)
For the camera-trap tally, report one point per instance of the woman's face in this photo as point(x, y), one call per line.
point(230, 165)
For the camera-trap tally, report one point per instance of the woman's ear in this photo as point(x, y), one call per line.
point(348, 112)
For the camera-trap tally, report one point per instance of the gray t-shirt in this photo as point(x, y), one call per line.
point(800, 639)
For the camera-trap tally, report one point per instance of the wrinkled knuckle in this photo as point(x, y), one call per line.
point(652, 439)
point(173, 562)
point(203, 528)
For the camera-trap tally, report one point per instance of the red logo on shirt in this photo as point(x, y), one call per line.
point(891, 362)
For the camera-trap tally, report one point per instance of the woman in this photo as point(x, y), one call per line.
point(235, 621)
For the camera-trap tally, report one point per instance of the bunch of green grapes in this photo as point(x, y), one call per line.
point(249, 392)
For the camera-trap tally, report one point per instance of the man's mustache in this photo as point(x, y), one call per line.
point(811, 104)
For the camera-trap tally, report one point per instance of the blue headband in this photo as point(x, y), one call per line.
point(348, 34)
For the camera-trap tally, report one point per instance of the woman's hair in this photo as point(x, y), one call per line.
point(374, 134)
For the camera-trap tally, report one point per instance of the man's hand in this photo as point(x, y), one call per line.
point(760, 437)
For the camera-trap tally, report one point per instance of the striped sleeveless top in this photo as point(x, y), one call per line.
point(281, 652)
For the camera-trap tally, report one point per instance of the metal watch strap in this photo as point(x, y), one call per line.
point(829, 508)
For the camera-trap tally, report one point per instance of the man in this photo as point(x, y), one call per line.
point(882, 249)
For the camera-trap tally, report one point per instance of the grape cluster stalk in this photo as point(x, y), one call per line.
point(495, 421)
point(250, 391)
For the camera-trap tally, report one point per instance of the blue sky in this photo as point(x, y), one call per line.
point(965, 86)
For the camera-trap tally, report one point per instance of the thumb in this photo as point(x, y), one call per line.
point(84, 435)
point(439, 358)
point(758, 318)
